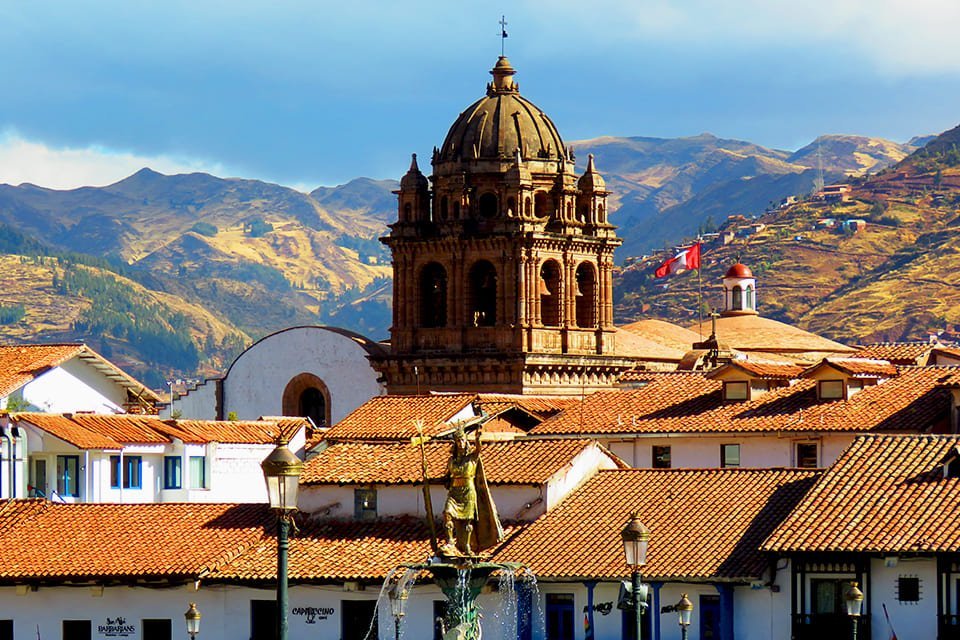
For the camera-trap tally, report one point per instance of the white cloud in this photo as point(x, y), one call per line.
point(900, 37)
point(23, 160)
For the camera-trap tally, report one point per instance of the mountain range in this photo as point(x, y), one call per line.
point(878, 265)
point(203, 265)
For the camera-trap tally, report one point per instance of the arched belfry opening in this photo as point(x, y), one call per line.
point(488, 205)
point(586, 295)
point(307, 396)
point(483, 294)
point(433, 296)
point(550, 294)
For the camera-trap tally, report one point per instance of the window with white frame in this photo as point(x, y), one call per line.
point(198, 472)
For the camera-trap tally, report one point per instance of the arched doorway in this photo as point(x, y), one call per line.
point(307, 396)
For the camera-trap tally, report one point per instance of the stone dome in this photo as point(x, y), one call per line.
point(414, 180)
point(591, 180)
point(495, 126)
point(739, 270)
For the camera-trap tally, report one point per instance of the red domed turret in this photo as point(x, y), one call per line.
point(739, 270)
point(739, 291)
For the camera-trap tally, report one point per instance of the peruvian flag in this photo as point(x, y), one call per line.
point(688, 258)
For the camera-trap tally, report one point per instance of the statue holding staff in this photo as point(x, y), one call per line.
point(470, 518)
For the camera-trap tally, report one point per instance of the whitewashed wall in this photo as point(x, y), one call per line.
point(407, 499)
point(911, 620)
point(254, 385)
point(233, 472)
point(702, 450)
point(74, 386)
point(199, 403)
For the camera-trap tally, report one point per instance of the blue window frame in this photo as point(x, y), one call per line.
point(132, 467)
point(68, 476)
point(172, 472)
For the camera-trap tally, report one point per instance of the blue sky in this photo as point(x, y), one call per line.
point(310, 93)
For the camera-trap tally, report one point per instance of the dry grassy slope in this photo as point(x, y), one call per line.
point(28, 281)
point(893, 281)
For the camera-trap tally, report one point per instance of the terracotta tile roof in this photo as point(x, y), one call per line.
point(19, 364)
point(336, 550)
point(902, 353)
point(704, 524)
point(140, 541)
point(227, 431)
point(690, 403)
point(884, 494)
point(512, 462)
point(392, 417)
point(857, 367)
point(763, 370)
point(67, 430)
point(113, 431)
point(539, 406)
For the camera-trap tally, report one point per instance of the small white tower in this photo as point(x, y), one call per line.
point(739, 292)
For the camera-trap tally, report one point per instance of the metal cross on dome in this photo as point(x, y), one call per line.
point(503, 33)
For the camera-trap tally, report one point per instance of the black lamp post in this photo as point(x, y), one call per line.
point(854, 601)
point(635, 538)
point(192, 618)
point(684, 612)
point(281, 470)
point(398, 605)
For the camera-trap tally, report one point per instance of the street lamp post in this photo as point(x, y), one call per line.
point(192, 618)
point(281, 470)
point(684, 612)
point(854, 601)
point(635, 538)
point(398, 604)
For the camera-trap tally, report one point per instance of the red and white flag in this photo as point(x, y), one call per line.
point(688, 258)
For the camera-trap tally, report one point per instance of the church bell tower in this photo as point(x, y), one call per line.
point(503, 269)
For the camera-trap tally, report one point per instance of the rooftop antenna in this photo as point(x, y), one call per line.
point(503, 33)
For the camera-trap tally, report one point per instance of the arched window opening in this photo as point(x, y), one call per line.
point(586, 295)
point(483, 294)
point(407, 212)
point(750, 301)
point(582, 213)
point(488, 205)
point(550, 294)
point(307, 396)
point(600, 217)
point(541, 204)
point(444, 208)
point(526, 206)
point(569, 210)
point(433, 296)
point(736, 302)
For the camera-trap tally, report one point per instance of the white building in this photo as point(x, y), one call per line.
point(318, 372)
point(57, 378)
point(139, 459)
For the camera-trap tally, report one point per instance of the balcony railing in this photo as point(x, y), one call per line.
point(827, 626)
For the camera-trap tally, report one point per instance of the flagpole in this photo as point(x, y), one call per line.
point(700, 302)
